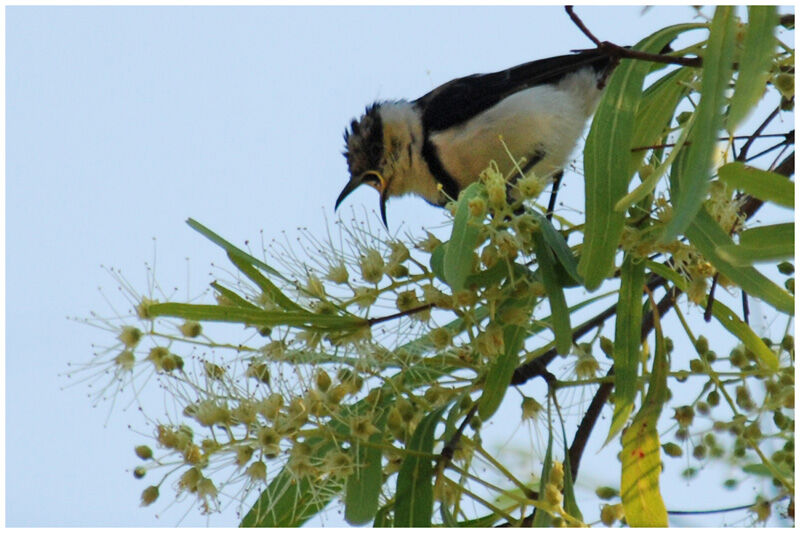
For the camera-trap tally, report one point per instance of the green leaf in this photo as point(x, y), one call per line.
point(762, 184)
point(246, 263)
point(383, 517)
point(656, 111)
point(665, 95)
point(289, 502)
point(570, 502)
point(461, 247)
point(413, 505)
point(761, 244)
point(233, 297)
point(501, 370)
point(727, 318)
point(543, 518)
point(754, 63)
point(437, 261)
point(266, 286)
point(364, 484)
point(558, 305)
point(771, 470)
point(490, 276)
point(254, 317)
point(757, 469)
point(708, 237)
point(559, 246)
point(231, 249)
point(641, 451)
point(690, 188)
point(607, 159)
point(627, 342)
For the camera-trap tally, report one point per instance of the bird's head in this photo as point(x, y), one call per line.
point(381, 149)
point(365, 154)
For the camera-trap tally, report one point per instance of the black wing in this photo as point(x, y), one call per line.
point(461, 99)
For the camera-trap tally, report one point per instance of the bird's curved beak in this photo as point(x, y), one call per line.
point(373, 178)
point(352, 185)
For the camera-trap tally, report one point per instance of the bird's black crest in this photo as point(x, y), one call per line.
point(364, 142)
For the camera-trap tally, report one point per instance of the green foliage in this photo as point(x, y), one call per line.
point(370, 369)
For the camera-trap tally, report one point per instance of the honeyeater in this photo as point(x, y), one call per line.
point(438, 144)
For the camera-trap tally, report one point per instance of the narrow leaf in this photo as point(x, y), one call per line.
point(555, 240)
point(289, 502)
point(543, 518)
point(460, 249)
point(641, 451)
point(656, 110)
point(266, 286)
point(570, 502)
point(607, 159)
point(254, 317)
point(230, 248)
point(413, 505)
point(364, 484)
point(708, 237)
point(627, 342)
point(754, 63)
point(555, 294)
point(499, 374)
point(764, 185)
point(761, 244)
point(671, 89)
point(437, 261)
point(231, 297)
point(692, 186)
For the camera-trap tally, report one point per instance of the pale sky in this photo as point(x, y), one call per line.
point(122, 122)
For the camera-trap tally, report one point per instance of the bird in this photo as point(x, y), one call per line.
point(437, 145)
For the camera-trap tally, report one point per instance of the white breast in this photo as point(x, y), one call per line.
point(546, 118)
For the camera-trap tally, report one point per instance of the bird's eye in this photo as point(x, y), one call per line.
point(374, 179)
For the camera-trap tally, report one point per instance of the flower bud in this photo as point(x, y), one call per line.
point(143, 452)
point(149, 495)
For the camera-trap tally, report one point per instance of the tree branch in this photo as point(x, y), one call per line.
point(620, 52)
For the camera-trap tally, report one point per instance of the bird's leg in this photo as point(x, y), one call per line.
point(556, 182)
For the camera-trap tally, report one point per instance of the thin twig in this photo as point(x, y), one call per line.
point(378, 320)
point(710, 300)
point(621, 52)
point(728, 509)
point(786, 136)
point(755, 135)
point(449, 449)
point(554, 193)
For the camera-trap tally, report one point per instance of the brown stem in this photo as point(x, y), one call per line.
point(449, 449)
point(378, 320)
point(621, 52)
point(743, 153)
point(788, 135)
point(601, 396)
